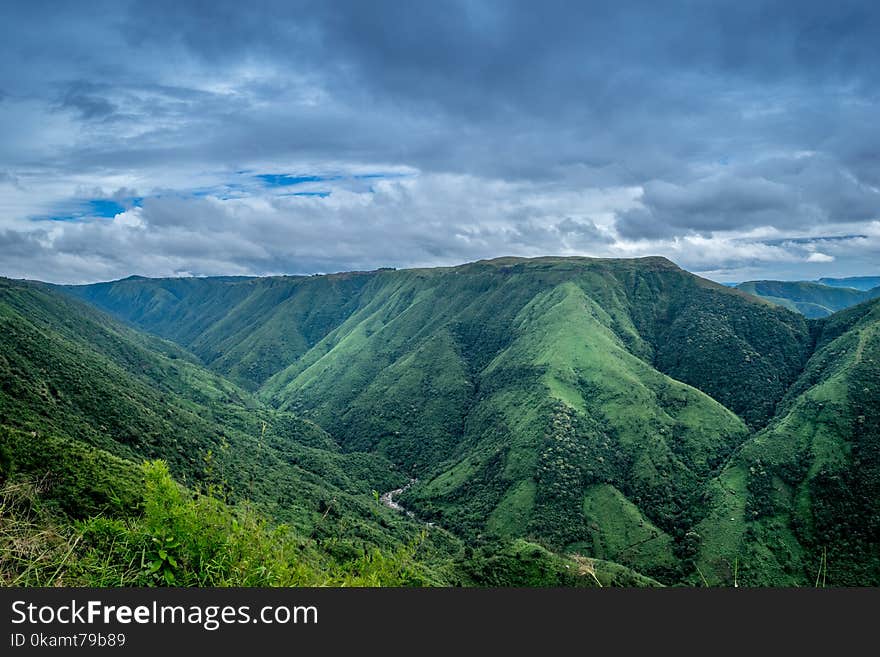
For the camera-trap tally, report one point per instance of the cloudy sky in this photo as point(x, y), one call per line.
point(739, 139)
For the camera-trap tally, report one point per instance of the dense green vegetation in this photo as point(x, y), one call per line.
point(802, 497)
point(84, 400)
point(165, 535)
point(247, 329)
point(265, 333)
point(569, 421)
point(66, 371)
point(814, 300)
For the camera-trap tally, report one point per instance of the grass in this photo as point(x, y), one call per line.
point(622, 534)
point(511, 516)
point(181, 539)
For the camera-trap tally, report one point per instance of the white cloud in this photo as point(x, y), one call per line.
point(427, 219)
point(415, 220)
point(820, 257)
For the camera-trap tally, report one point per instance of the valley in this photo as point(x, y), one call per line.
point(498, 423)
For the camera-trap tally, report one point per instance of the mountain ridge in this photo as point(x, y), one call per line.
point(598, 407)
point(434, 367)
point(810, 298)
point(84, 399)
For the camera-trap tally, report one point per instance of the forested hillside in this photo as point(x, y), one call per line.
point(246, 329)
point(617, 419)
point(87, 405)
point(801, 500)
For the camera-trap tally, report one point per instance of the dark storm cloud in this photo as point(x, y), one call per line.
point(706, 206)
point(698, 120)
point(13, 243)
point(785, 193)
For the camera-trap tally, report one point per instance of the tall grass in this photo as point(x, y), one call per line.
point(180, 539)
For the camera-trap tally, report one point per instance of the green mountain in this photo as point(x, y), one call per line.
point(800, 501)
point(653, 305)
point(813, 300)
point(564, 421)
point(70, 373)
point(246, 329)
point(522, 393)
point(85, 401)
point(582, 403)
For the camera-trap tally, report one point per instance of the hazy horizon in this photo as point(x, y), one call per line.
point(458, 264)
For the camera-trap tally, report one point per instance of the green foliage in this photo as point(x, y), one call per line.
point(181, 539)
point(566, 405)
point(246, 329)
point(78, 481)
point(70, 378)
point(620, 532)
point(715, 342)
point(558, 412)
point(803, 493)
point(525, 564)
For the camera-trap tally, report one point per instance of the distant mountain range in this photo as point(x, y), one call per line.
point(564, 421)
point(857, 282)
point(816, 299)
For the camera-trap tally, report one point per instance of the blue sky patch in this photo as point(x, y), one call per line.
point(288, 179)
point(102, 208)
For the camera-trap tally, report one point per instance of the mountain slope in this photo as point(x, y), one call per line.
point(246, 329)
point(813, 300)
point(84, 400)
point(249, 329)
point(505, 382)
point(803, 496)
point(594, 413)
point(68, 371)
point(696, 331)
point(590, 405)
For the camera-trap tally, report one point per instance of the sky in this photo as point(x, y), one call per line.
point(739, 139)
